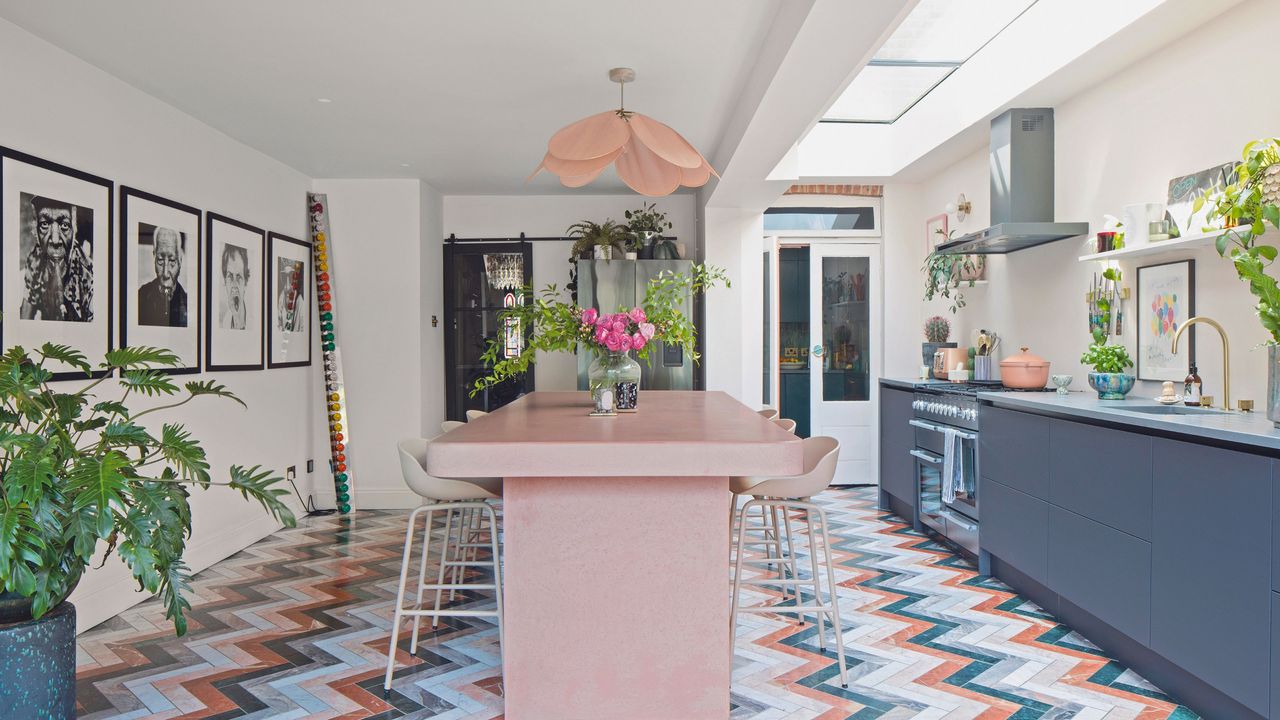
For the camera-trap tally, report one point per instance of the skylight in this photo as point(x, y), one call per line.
point(936, 38)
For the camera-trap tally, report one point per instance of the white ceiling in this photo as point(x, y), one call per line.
point(466, 93)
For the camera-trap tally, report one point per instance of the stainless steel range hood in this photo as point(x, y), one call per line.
point(1021, 189)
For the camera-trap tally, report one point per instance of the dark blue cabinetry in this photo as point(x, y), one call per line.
point(1275, 655)
point(1102, 474)
point(1102, 570)
point(1211, 567)
point(897, 467)
point(1015, 528)
point(1012, 451)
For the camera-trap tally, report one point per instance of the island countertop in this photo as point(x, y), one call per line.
point(675, 433)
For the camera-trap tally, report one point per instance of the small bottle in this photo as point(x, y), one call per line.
point(1191, 388)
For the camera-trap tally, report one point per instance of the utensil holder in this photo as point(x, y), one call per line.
point(982, 367)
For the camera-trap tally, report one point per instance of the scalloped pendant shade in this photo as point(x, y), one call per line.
point(649, 156)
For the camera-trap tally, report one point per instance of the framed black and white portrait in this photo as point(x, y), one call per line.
point(55, 258)
point(234, 283)
point(289, 317)
point(160, 276)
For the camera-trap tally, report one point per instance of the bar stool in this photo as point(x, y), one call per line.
point(473, 415)
point(768, 521)
point(795, 493)
point(451, 425)
point(768, 413)
point(454, 496)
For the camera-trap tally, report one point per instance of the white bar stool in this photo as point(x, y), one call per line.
point(769, 522)
point(455, 497)
point(768, 413)
point(473, 415)
point(787, 493)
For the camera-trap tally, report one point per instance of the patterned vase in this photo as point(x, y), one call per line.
point(1271, 185)
point(1111, 386)
point(614, 382)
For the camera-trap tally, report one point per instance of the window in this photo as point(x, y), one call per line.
point(819, 218)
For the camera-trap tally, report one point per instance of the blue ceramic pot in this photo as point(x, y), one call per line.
point(38, 666)
point(1111, 386)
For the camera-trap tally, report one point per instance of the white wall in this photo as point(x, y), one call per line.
point(1118, 143)
point(469, 216)
point(64, 110)
point(732, 333)
point(386, 275)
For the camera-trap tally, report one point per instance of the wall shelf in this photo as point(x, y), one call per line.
point(1193, 241)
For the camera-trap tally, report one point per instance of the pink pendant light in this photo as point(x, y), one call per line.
point(650, 157)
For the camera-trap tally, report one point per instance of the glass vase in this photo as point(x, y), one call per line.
point(614, 382)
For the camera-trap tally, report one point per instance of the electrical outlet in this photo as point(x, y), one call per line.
point(311, 466)
point(291, 472)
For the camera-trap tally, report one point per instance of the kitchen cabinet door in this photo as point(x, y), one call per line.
point(897, 468)
point(1102, 474)
point(1275, 655)
point(1211, 567)
point(1015, 528)
point(1013, 449)
point(1102, 570)
point(1275, 535)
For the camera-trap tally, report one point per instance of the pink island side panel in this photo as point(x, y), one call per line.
point(616, 535)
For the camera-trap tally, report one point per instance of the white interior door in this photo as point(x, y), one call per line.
point(845, 317)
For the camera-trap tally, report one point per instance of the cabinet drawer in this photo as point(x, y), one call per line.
point(1102, 570)
point(1275, 655)
point(897, 468)
point(1102, 474)
point(1013, 451)
point(1211, 567)
point(1015, 528)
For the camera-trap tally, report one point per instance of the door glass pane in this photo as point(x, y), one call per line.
point(793, 336)
point(766, 392)
point(482, 280)
point(846, 328)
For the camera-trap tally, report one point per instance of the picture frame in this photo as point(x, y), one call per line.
point(1166, 298)
point(56, 249)
point(161, 258)
point(289, 316)
point(235, 257)
point(935, 229)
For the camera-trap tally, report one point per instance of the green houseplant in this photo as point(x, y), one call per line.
point(945, 274)
point(81, 476)
point(1247, 206)
point(937, 331)
point(1109, 363)
point(607, 237)
point(647, 226)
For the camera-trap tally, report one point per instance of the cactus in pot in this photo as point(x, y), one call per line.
point(936, 332)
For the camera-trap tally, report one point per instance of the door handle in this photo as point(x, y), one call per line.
point(922, 455)
point(936, 428)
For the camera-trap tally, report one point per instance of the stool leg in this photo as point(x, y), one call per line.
point(497, 568)
point(737, 579)
point(733, 530)
point(444, 555)
point(835, 601)
point(422, 579)
point(817, 584)
point(459, 553)
point(782, 558)
point(395, 621)
point(793, 560)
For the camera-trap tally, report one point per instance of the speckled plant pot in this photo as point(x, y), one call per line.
point(38, 666)
point(1111, 386)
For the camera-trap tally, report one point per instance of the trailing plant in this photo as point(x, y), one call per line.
point(937, 329)
point(1104, 358)
point(1247, 206)
point(77, 469)
point(647, 219)
point(553, 325)
point(942, 277)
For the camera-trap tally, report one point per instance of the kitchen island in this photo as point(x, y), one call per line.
point(1154, 531)
point(616, 547)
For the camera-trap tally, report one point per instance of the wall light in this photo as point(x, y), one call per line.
point(960, 208)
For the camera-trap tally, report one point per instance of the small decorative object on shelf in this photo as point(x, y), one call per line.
point(614, 376)
point(335, 396)
point(936, 332)
point(1062, 382)
point(1109, 362)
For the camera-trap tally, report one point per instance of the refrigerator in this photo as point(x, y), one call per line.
point(610, 285)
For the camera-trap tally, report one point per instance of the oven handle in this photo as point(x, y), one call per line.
point(937, 428)
point(922, 455)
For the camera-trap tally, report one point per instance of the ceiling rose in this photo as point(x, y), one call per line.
point(650, 157)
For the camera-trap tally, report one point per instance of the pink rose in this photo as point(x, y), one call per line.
point(619, 326)
point(602, 333)
point(638, 341)
point(647, 330)
point(590, 315)
point(637, 315)
point(625, 343)
point(613, 341)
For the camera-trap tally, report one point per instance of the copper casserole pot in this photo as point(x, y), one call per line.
point(1024, 371)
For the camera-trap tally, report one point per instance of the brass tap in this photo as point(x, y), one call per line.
point(1226, 353)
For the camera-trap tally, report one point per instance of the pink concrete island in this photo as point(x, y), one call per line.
point(616, 543)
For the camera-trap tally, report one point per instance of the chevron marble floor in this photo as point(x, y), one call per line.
point(296, 627)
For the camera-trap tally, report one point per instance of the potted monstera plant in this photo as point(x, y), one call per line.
point(84, 475)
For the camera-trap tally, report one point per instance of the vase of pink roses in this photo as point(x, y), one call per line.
point(614, 375)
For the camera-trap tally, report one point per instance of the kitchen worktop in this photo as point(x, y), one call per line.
point(1252, 430)
point(908, 383)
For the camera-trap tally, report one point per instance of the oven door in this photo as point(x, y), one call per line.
point(930, 439)
point(942, 518)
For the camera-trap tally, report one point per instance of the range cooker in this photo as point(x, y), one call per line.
point(940, 408)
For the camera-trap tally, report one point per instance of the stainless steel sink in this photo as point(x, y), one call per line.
point(1172, 410)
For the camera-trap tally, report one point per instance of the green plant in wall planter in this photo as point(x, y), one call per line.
point(945, 274)
point(1109, 363)
point(81, 477)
